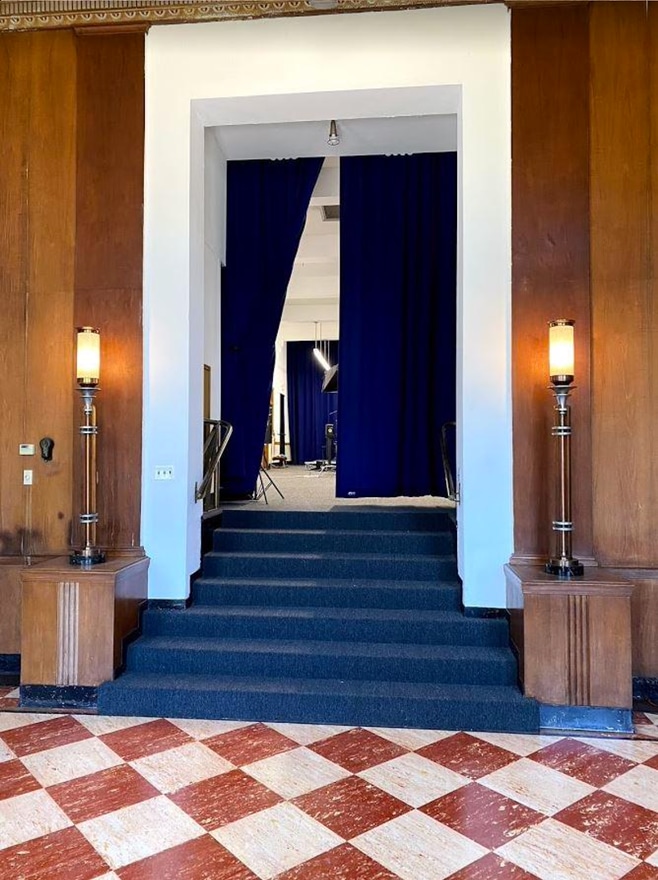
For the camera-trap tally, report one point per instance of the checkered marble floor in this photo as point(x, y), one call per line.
point(84, 797)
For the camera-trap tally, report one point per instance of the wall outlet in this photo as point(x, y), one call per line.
point(164, 472)
point(27, 478)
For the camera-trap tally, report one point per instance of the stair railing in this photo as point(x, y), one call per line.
point(216, 434)
point(451, 491)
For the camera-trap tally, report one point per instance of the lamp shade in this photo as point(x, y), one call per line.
point(561, 351)
point(88, 367)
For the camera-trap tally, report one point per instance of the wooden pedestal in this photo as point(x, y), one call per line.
point(576, 637)
point(75, 620)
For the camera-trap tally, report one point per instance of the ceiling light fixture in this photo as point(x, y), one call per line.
point(333, 140)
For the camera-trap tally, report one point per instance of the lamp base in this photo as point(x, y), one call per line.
point(88, 556)
point(564, 568)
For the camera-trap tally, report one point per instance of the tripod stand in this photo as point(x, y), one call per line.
point(264, 482)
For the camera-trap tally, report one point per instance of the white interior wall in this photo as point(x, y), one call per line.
point(214, 235)
point(273, 70)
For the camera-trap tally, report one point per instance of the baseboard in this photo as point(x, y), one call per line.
point(170, 604)
point(645, 690)
point(46, 696)
point(578, 719)
point(488, 613)
point(10, 664)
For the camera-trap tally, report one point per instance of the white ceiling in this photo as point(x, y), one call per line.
point(358, 137)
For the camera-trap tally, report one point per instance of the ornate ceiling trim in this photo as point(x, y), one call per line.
point(47, 14)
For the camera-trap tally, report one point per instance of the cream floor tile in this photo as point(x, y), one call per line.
point(205, 729)
point(12, 720)
point(410, 738)
point(139, 831)
point(536, 786)
point(639, 785)
point(413, 779)
point(71, 761)
point(14, 695)
point(6, 753)
point(416, 847)
point(633, 749)
point(295, 772)
point(553, 851)
point(305, 734)
point(28, 816)
point(276, 839)
point(175, 768)
point(518, 743)
point(653, 859)
point(102, 724)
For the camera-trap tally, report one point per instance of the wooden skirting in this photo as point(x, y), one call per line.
point(575, 636)
point(75, 620)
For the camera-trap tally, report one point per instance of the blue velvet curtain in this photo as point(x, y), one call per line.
point(267, 203)
point(309, 410)
point(397, 322)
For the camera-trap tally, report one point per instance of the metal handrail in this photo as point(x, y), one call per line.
point(213, 449)
point(453, 495)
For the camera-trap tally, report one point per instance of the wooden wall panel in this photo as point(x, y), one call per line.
point(108, 273)
point(624, 415)
point(15, 54)
point(49, 306)
point(550, 261)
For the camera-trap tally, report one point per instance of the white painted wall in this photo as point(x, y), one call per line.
point(271, 70)
point(214, 241)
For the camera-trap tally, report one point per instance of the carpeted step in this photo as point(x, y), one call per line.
point(407, 519)
point(324, 592)
point(326, 624)
point(354, 703)
point(332, 541)
point(330, 565)
point(315, 659)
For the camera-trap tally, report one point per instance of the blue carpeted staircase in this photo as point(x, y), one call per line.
point(351, 616)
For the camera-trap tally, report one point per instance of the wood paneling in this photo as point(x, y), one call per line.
point(624, 325)
point(550, 261)
point(577, 638)
point(108, 272)
point(51, 185)
point(15, 61)
point(10, 605)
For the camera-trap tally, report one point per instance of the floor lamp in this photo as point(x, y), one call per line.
point(88, 362)
point(561, 370)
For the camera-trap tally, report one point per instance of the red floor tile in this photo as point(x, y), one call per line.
point(342, 863)
point(489, 818)
point(357, 749)
point(32, 738)
point(249, 744)
point(653, 762)
point(582, 761)
point(468, 755)
point(145, 739)
point(351, 806)
point(199, 859)
point(15, 779)
point(643, 872)
point(100, 793)
point(627, 826)
point(63, 855)
point(223, 799)
point(492, 867)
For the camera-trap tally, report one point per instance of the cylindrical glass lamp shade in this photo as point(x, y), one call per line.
point(561, 351)
point(88, 356)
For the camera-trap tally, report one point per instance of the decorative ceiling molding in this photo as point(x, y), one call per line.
point(31, 15)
